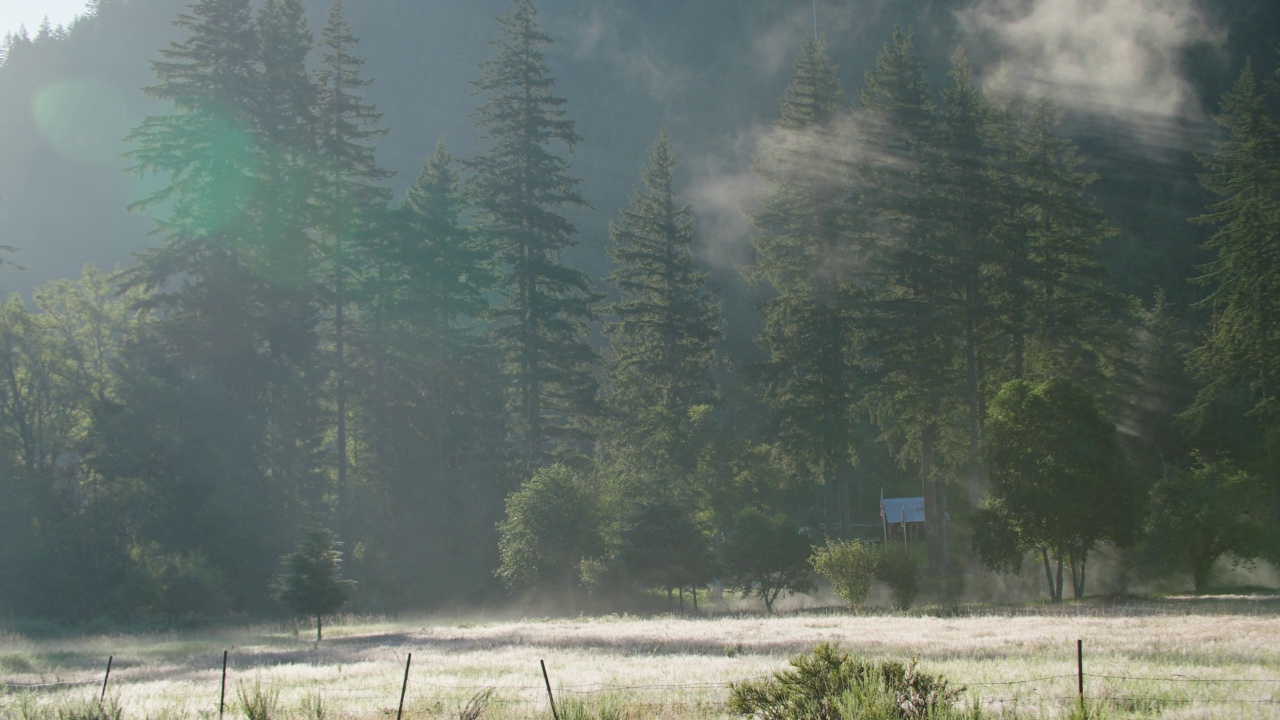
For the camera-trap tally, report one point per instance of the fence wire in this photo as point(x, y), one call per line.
point(435, 699)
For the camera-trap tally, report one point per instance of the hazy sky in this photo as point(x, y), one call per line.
point(14, 13)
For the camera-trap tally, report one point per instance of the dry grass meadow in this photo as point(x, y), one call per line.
point(1176, 657)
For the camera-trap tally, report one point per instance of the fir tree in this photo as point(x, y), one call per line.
point(350, 193)
point(424, 391)
point(970, 204)
point(915, 321)
point(663, 339)
point(1066, 321)
point(286, 119)
point(237, 341)
point(808, 250)
point(311, 582)
point(520, 186)
point(1244, 173)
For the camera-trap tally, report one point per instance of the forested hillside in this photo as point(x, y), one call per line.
point(589, 301)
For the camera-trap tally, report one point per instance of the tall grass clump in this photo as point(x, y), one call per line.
point(603, 707)
point(477, 707)
point(257, 702)
point(828, 684)
point(77, 709)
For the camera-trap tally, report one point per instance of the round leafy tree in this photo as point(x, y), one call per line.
point(767, 555)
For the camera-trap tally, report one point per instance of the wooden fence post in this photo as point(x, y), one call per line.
point(550, 697)
point(222, 695)
point(1080, 671)
point(404, 687)
point(103, 697)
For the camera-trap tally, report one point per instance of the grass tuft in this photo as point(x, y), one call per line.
point(257, 702)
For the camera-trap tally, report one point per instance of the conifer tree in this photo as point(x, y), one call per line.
point(236, 339)
point(350, 193)
point(1066, 322)
point(808, 251)
point(663, 339)
point(424, 389)
point(915, 321)
point(970, 205)
point(1244, 174)
point(205, 146)
point(311, 581)
point(521, 186)
point(286, 118)
point(426, 285)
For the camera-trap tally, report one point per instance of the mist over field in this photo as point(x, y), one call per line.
point(631, 307)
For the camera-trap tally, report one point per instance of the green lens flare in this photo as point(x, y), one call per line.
point(82, 119)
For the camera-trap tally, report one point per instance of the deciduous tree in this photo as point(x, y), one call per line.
point(1060, 482)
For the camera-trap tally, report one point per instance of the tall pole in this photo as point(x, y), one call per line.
point(815, 20)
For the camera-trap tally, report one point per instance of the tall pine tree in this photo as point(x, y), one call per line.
point(810, 251)
point(663, 341)
point(520, 185)
point(915, 319)
point(350, 194)
point(1244, 173)
point(235, 341)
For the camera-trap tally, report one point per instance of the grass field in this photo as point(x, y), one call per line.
point(1178, 657)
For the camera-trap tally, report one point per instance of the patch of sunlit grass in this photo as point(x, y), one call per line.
point(1169, 657)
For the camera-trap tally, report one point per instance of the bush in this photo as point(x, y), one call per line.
point(896, 568)
point(849, 566)
point(828, 684)
point(160, 585)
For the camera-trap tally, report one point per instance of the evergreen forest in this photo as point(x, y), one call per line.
point(604, 306)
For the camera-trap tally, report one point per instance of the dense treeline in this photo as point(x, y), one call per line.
point(432, 379)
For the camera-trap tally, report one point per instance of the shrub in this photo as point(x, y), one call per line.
point(897, 569)
point(828, 684)
point(849, 566)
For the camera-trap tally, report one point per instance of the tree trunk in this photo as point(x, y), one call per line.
point(828, 506)
point(971, 361)
point(1057, 593)
point(928, 488)
point(846, 508)
point(1048, 571)
point(1077, 573)
point(340, 390)
point(318, 627)
point(1084, 561)
point(1200, 574)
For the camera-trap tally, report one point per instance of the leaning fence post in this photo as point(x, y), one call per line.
point(405, 686)
point(103, 697)
point(550, 697)
point(1080, 671)
point(222, 695)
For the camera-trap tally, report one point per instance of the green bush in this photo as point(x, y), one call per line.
point(850, 566)
point(160, 585)
point(896, 568)
point(828, 684)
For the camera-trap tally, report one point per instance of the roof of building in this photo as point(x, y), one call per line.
point(909, 509)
